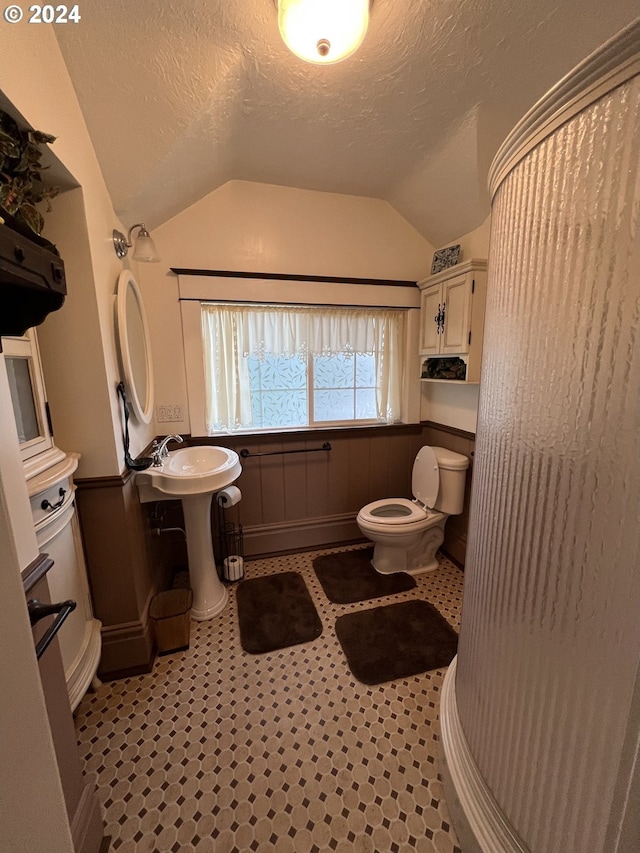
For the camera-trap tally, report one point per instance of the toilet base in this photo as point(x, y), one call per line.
point(416, 559)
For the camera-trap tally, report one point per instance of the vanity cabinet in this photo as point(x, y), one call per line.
point(49, 475)
point(53, 507)
point(452, 306)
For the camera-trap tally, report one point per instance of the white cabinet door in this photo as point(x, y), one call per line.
point(461, 292)
point(80, 635)
point(26, 384)
point(430, 306)
point(456, 297)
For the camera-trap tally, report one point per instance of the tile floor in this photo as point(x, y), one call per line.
point(219, 750)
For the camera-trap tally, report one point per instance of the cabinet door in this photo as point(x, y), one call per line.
point(430, 305)
point(26, 384)
point(58, 535)
point(456, 295)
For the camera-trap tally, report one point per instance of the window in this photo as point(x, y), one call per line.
point(274, 367)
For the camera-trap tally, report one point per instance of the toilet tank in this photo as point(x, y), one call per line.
point(453, 475)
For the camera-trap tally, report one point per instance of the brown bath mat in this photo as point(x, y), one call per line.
point(276, 611)
point(396, 641)
point(348, 576)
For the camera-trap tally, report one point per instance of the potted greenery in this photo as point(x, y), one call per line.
point(21, 186)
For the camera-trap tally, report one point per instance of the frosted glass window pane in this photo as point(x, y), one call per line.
point(22, 398)
point(334, 405)
point(334, 371)
point(279, 408)
point(365, 403)
point(365, 371)
point(275, 372)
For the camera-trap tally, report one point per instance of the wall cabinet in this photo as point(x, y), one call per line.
point(49, 475)
point(452, 306)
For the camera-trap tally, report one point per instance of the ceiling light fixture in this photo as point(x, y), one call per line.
point(323, 31)
point(145, 249)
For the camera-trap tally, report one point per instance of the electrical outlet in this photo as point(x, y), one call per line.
point(168, 413)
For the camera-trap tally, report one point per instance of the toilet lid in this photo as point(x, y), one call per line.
point(425, 480)
point(392, 511)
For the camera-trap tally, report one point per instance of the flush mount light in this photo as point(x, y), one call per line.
point(323, 31)
point(145, 249)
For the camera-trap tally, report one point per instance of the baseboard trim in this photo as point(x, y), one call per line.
point(301, 535)
point(480, 823)
point(126, 649)
point(87, 828)
point(454, 560)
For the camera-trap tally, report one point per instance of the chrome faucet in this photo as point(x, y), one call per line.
point(159, 449)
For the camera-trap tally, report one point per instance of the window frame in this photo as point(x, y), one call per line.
point(195, 287)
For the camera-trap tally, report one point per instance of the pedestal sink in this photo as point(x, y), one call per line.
point(194, 474)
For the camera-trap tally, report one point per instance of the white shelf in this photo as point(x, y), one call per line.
point(450, 381)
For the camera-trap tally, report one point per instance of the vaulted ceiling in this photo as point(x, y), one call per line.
point(181, 96)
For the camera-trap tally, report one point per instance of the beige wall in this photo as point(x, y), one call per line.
point(28, 757)
point(80, 365)
point(77, 343)
point(254, 227)
point(457, 405)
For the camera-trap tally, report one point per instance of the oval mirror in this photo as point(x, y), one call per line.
point(135, 350)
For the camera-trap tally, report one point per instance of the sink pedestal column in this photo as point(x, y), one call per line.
point(209, 593)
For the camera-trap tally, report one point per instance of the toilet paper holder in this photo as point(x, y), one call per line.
point(230, 496)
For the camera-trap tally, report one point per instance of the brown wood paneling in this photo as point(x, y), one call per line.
point(337, 479)
point(122, 576)
point(303, 500)
point(455, 532)
point(272, 481)
point(358, 472)
point(320, 501)
point(380, 468)
point(250, 485)
point(294, 481)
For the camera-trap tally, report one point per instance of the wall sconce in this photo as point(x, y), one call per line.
point(323, 31)
point(145, 249)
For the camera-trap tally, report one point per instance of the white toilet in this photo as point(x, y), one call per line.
point(406, 534)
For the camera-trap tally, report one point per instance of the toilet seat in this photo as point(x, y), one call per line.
point(392, 512)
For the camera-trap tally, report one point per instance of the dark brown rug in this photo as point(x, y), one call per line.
point(348, 576)
point(276, 611)
point(396, 641)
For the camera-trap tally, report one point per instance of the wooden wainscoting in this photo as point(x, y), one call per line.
point(124, 572)
point(293, 501)
point(455, 532)
point(297, 501)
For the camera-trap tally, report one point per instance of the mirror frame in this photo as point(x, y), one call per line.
point(142, 409)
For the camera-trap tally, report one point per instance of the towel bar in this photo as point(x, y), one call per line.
point(244, 453)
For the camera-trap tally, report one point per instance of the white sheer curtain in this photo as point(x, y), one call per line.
point(233, 332)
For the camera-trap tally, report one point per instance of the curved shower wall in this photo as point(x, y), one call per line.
point(540, 712)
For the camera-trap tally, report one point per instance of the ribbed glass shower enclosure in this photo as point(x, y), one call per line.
point(541, 710)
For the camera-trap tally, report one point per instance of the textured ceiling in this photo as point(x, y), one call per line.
point(182, 96)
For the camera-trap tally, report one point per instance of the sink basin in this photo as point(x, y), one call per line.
point(189, 471)
point(193, 474)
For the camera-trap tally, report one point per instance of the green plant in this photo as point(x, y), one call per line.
point(21, 185)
